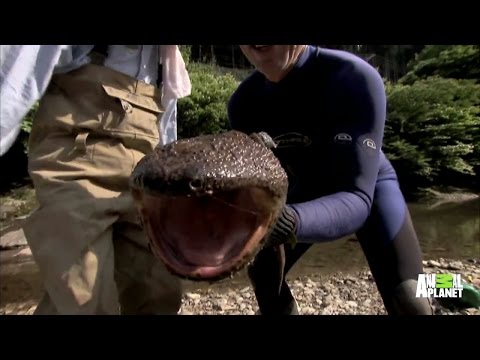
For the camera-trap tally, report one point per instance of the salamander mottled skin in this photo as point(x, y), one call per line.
point(208, 165)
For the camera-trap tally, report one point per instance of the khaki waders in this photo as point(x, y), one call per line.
point(92, 127)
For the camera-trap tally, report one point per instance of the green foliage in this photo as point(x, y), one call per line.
point(447, 61)
point(433, 130)
point(26, 126)
point(432, 133)
point(186, 51)
point(205, 110)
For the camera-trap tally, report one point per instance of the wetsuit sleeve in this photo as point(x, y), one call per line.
point(25, 72)
point(354, 161)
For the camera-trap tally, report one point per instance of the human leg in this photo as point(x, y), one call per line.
point(264, 277)
point(70, 239)
point(393, 252)
point(145, 286)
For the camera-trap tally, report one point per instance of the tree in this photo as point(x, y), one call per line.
point(447, 61)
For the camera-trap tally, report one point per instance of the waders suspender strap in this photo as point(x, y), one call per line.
point(99, 54)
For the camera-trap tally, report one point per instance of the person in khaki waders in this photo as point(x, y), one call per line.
point(101, 109)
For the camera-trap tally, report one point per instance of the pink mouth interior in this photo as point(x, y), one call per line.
point(205, 237)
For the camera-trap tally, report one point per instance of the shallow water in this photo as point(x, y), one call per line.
point(449, 231)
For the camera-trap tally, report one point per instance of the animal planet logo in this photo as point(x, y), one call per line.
point(439, 285)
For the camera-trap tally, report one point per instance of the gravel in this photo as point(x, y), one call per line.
point(335, 294)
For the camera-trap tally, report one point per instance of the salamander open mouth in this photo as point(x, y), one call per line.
point(206, 237)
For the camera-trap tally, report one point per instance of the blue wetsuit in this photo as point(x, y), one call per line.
point(328, 116)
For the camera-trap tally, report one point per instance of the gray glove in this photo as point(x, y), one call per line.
point(285, 228)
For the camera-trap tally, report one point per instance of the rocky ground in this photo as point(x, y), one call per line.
point(346, 292)
point(336, 294)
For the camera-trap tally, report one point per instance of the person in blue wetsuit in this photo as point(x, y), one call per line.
point(325, 110)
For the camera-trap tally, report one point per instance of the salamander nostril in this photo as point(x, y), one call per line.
point(195, 184)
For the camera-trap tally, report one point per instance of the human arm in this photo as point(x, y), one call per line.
point(354, 164)
point(25, 72)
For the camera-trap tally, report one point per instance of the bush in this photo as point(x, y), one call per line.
point(432, 132)
point(205, 110)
